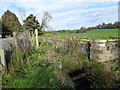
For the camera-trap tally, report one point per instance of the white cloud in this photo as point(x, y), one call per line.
point(69, 14)
point(91, 17)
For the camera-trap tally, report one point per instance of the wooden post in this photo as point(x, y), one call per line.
point(16, 45)
point(36, 33)
point(3, 61)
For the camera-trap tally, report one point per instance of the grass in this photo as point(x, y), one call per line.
point(92, 34)
point(102, 33)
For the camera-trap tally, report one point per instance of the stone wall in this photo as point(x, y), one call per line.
point(100, 50)
point(104, 50)
point(6, 45)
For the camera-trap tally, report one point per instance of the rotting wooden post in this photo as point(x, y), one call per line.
point(3, 61)
point(36, 33)
point(16, 45)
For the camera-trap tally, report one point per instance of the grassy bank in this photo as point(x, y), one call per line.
point(42, 69)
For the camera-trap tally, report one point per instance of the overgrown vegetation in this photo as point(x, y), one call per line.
point(36, 72)
point(42, 69)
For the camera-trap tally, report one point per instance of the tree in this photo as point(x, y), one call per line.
point(3, 30)
point(117, 25)
point(103, 25)
point(31, 23)
point(82, 30)
point(45, 19)
point(10, 22)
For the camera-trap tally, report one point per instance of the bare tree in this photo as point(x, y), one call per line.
point(22, 14)
point(45, 19)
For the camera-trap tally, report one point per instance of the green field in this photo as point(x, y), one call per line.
point(92, 34)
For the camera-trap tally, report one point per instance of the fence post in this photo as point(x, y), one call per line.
point(3, 61)
point(16, 45)
point(36, 33)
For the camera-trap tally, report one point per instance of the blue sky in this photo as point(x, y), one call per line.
point(67, 14)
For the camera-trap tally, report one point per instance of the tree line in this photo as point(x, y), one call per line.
point(115, 25)
point(10, 23)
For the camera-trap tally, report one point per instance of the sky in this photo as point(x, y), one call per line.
point(67, 14)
